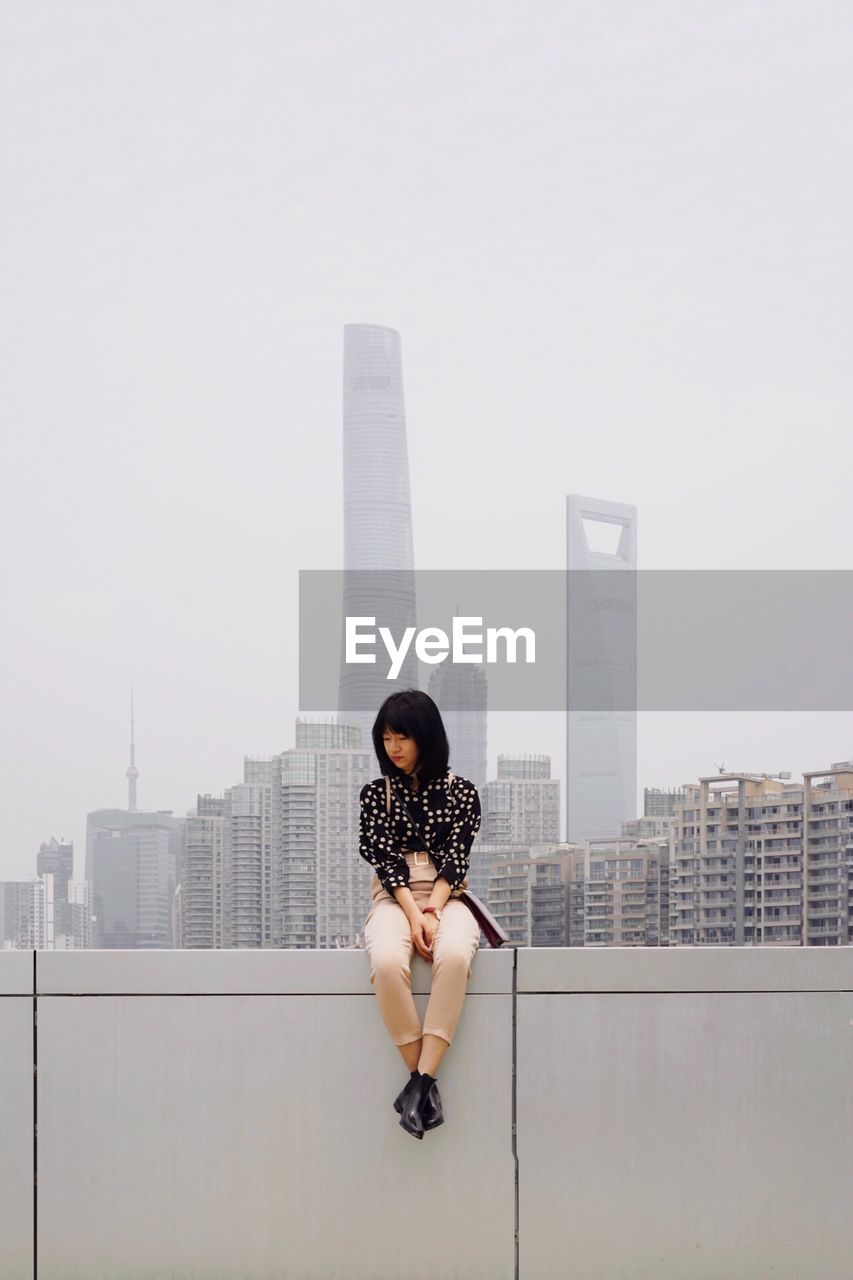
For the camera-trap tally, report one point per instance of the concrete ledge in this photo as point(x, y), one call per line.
point(235, 972)
point(16, 973)
point(561, 969)
point(612, 1114)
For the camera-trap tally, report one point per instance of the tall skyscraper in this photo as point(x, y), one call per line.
point(57, 857)
point(377, 514)
point(78, 918)
point(131, 860)
point(601, 743)
point(461, 695)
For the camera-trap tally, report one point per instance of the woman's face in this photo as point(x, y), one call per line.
point(401, 749)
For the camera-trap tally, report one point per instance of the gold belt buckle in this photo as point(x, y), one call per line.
point(421, 857)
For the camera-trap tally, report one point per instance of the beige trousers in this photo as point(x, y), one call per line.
point(388, 942)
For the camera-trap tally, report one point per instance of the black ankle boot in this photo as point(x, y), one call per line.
point(433, 1115)
point(412, 1115)
point(432, 1112)
point(401, 1096)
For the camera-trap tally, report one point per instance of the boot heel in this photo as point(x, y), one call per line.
point(411, 1117)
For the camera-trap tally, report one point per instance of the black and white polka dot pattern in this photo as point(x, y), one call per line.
point(449, 816)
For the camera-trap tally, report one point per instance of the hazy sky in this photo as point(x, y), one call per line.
point(615, 239)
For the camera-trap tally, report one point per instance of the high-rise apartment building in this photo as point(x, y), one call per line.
point(828, 855)
point(758, 860)
point(321, 890)
point(528, 894)
point(26, 914)
point(247, 837)
point(626, 893)
point(325, 902)
point(597, 894)
point(202, 898)
point(521, 806)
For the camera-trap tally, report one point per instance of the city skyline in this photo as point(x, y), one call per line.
point(268, 863)
point(497, 353)
point(612, 278)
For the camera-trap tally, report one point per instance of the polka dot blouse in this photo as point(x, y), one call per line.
point(448, 813)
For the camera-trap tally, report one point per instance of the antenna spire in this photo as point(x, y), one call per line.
point(132, 771)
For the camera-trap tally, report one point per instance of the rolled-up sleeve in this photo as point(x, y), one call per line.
point(465, 823)
point(376, 842)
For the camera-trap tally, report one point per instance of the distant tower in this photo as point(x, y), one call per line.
point(132, 771)
point(377, 515)
point(601, 742)
point(461, 694)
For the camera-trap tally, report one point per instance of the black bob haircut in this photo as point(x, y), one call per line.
point(413, 712)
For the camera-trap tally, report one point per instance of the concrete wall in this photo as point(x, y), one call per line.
point(613, 1114)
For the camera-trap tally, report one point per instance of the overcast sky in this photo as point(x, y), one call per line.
point(615, 239)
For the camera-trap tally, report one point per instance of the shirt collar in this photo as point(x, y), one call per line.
point(405, 783)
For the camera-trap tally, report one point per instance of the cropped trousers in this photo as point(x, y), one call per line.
point(388, 942)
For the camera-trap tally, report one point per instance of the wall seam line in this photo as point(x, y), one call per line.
point(35, 1115)
point(514, 1101)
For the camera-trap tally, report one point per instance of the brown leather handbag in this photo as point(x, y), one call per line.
point(494, 933)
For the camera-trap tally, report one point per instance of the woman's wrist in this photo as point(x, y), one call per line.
point(441, 891)
point(440, 894)
point(406, 899)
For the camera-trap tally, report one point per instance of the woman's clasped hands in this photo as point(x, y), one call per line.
point(424, 929)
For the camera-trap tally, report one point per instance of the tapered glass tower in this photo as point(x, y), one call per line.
point(378, 545)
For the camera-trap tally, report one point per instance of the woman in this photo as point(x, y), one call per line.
point(420, 854)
